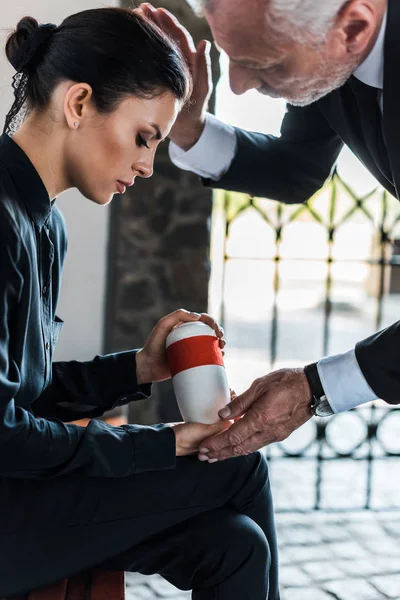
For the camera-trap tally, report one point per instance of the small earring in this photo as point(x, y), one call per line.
point(76, 124)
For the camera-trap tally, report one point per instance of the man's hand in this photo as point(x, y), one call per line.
point(151, 360)
point(190, 123)
point(273, 407)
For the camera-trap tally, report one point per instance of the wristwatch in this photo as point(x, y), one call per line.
point(320, 406)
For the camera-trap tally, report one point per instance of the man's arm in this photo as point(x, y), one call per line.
point(343, 382)
point(280, 402)
point(217, 136)
point(289, 168)
point(379, 360)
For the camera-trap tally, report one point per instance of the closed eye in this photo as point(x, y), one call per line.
point(140, 141)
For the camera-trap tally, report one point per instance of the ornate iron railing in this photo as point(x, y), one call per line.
point(347, 461)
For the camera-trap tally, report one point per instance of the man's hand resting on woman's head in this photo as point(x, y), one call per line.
point(191, 120)
point(151, 360)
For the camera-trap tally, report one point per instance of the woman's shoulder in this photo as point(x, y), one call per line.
point(10, 203)
point(13, 222)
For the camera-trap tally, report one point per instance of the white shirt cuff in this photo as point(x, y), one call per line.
point(343, 381)
point(213, 153)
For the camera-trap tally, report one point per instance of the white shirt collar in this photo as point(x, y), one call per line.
point(371, 70)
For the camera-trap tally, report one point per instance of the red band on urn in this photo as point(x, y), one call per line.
point(196, 351)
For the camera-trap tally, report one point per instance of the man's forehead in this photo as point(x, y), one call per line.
point(236, 6)
point(249, 13)
point(250, 43)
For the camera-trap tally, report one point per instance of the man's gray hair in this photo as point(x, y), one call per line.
point(305, 17)
point(299, 17)
point(198, 6)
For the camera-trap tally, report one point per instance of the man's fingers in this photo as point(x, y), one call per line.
point(172, 27)
point(170, 24)
point(207, 446)
point(146, 9)
point(201, 72)
point(203, 58)
point(236, 435)
point(169, 18)
point(239, 406)
point(252, 444)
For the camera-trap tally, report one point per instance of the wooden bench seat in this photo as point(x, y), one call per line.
point(95, 584)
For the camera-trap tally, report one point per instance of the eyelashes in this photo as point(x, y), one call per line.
point(140, 141)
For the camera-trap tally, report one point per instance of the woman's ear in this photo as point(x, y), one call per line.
point(77, 104)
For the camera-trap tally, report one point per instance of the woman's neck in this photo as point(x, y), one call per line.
point(43, 145)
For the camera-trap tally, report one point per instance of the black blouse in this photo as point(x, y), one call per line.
point(38, 397)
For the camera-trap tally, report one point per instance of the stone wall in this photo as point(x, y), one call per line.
point(159, 252)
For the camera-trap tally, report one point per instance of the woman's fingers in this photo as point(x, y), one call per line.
point(167, 323)
point(211, 322)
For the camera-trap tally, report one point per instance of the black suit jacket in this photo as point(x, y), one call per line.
point(293, 167)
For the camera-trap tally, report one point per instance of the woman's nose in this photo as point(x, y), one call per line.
point(242, 79)
point(144, 169)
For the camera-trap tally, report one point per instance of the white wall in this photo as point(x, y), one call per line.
point(83, 292)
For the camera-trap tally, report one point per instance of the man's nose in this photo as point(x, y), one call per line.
point(242, 79)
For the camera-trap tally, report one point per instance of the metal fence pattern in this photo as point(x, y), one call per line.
point(367, 436)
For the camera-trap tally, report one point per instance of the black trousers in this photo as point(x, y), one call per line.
point(205, 527)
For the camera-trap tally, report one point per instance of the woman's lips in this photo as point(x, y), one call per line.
point(121, 187)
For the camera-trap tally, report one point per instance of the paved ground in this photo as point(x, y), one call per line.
point(351, 556)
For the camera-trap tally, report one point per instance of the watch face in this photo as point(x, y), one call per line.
point(323, 409)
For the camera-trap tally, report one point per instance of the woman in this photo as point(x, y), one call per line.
point(97, 95)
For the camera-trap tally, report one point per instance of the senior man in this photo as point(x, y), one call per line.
point(337, 63)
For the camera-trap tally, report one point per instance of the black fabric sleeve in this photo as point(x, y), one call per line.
point(88, 389)
point(289, 168)
point(379, 359)
point(32, 447)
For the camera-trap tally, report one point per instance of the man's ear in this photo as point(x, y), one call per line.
point(358, 21)
point(77, 104)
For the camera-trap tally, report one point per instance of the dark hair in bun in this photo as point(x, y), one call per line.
point(118, 52)
point(24, 45)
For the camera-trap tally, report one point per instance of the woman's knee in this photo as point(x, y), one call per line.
point(240, 539)
point(250, 540)
point(224, 544)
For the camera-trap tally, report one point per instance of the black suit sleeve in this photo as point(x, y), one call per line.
point(379, 360)
point(290, 168)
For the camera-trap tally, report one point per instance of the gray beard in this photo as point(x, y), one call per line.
point(323, 85)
